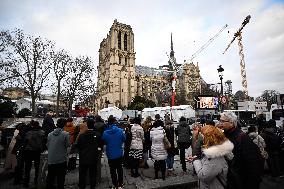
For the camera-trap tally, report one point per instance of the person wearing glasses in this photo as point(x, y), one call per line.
point(247, 165)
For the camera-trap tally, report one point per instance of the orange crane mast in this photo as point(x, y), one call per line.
point(238, 35)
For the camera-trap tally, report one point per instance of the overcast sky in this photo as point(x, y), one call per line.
point(79, 26)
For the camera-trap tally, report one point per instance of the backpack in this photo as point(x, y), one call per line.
point(36, 140)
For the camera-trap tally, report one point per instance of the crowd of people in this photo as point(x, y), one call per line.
point(223, 156)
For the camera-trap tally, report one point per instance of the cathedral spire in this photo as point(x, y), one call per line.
point(172, 54)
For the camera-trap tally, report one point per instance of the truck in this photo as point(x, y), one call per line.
point(277, 113)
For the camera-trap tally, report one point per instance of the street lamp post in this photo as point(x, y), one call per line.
point(220, 72)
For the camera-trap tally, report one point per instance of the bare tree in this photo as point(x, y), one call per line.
point(78, 81)
point(87, 98)
point(270, 96)
point(61, 67)
point(5, 75)
point(28, 59)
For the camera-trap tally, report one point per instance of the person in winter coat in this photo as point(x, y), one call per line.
point(99, 124)
point(147, 126)
point(99, 127)
point(158, 151)
point(34, 145)
point(114, 138)
point(272, 140)
point(136, 146)
point(212, 168)
point(247, 163)
point(258, 140)
point(57, 143)
point(19, 150)
point(11, 159)
point(170, 133)
point(70, 128)
point(197, 140)
point(48, 123)
point(260, 120)
point(184, 140)
point(127, 143)
point(82, 128)
point(89, 146)
point(158, 122)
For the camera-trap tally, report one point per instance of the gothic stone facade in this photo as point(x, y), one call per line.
point(119, 80)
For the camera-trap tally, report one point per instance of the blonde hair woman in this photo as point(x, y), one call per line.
point(212, 168)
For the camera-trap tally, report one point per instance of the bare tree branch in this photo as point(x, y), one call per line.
point(29, 60)
point(61, 61)
point(79, 79)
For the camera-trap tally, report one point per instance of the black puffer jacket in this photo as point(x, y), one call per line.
point(35, 140)
point(158, 123)
point(100, 127)
point(247, 160)
point(272, 140)
point(88, 145)
point(170, 133)
point(48, 124)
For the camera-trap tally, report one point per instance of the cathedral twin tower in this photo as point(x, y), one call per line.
point(116, 70)
point(119, 80)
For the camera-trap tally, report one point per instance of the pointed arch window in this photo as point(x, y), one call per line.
point(119, 40)
point(125, 42)
point(125, 61)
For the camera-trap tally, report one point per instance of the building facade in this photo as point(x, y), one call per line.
point(120, 80)
point(116, 70)
point(15, 93)
point(254, 106)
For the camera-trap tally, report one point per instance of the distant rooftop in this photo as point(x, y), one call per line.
point(148, 71)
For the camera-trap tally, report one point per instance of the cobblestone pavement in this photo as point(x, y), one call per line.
point(174, 179)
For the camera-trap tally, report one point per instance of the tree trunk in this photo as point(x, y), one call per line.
point(57, 99)
point(33, 106)
point(70, 107)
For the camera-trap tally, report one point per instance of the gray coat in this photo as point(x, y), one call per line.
point(57, 144)
point(213, 164)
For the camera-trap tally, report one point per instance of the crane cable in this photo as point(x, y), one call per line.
point(207, 43)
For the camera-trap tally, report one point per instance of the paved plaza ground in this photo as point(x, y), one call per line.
point(175, 179)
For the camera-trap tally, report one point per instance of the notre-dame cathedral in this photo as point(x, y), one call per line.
point(120, 80)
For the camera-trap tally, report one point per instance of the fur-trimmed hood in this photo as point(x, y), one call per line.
point(224, 149)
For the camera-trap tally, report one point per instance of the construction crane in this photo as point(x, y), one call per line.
point(207, 43)
point(174, 68)
point(238, 35)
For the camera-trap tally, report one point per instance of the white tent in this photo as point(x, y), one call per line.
point(176, 111)
point(106, 112)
